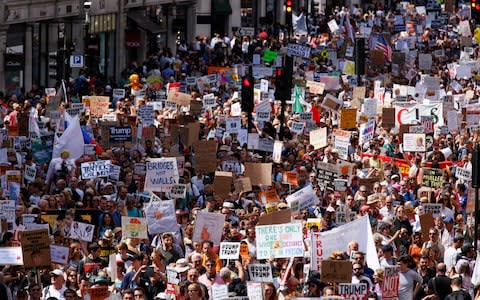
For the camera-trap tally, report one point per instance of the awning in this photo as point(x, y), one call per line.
point(222, 7)
point(144, 22)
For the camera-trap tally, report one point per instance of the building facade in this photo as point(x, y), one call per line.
point(39, 38)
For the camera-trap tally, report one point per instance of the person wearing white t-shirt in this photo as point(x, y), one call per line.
point(408, 279)
point(57, 288)
point(452, 252)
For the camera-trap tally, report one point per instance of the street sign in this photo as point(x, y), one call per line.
point(76, 61)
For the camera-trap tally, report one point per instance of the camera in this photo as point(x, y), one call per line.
point(87, 4)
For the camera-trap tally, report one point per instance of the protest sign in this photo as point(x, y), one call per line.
point(302, 199)
point(146, 114)
point(160, 216)
point(414, 142)
point(242, 185)
point(178, 191)
point(331, 103)
point(298, 50)
point(336, 271)
point(367, 131)
point(222, 183)
point(370, 107)
point(432, 177)
point(120, 134)
point(426, 222)
point(219, 291)
point(277, 151)
point(388, 117)
point(277, 217)
point(59, 254)
point(205, 156)
point(208, 226)
point(35, 248)
point(11, 256)
point(348, 118)
point(89, 149)
point(318, 138)
point(95, 169)
point(229, 250)
point(173, 276)
point(269, 195)
point(342, 143)
point(391, 283)
point(254, 290)
point(260, 272)
point(259, 173)
point(162, 174)
point(353, 291)
point(315, 87)
point(433, 208)
point(179, 98)
point(99, 105)
point(282, 240)
point(30, 172)
point(134, 228)
point(463, 173)
point(297, 127)
point(82, 231)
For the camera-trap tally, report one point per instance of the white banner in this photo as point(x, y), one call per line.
point(82, 231)
point(338, 238)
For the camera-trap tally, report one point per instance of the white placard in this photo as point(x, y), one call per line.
point(260, 272)
point(161, 217)
point(414, 142)
point(95, 169)
point(229, 250)
point(59, 254)
point(82, 231)
point(162, 174)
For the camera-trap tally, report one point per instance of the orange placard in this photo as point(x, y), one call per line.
point(290, 178)
point(270, 195)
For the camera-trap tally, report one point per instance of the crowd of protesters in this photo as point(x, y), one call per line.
point(437, 262)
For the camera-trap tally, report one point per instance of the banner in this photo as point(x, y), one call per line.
point(179, 98)
point(338, 238)
point(208, 226)
point(162, 174)
point(260, 272)
point(81, 231)
point(302, 199)
point(298, 50)
point(134, 228)
point(94, 169)
point(282, 240)
point(316, 253)
point(161, 217)
point(366, 131)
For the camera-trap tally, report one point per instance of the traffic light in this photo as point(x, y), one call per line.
point(247, 94)
point(53, 65)
point(283, 80)
point(475, 9)
point(288, 12)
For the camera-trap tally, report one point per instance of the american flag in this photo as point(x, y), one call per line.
point(378, 42)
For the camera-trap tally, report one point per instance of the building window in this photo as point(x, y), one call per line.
point(246, 13)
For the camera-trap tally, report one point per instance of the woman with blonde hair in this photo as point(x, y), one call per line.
point(75, 255)
point(195, 292)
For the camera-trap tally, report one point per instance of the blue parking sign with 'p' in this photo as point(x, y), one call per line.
point(76, 61)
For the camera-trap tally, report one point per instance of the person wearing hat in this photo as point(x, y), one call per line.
point(106, 245)
point(57, 287)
